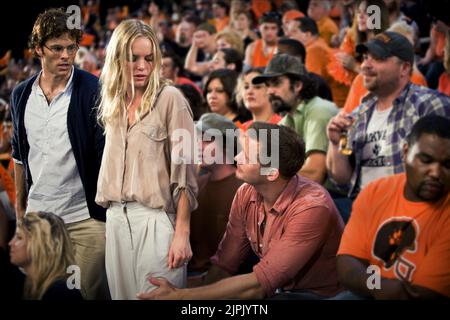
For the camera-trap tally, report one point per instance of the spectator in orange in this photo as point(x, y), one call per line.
point(220, 11)
point(288, 16)
point(404, 232)
point(318, 10)
point(344, 62)
point(444, 79)
point(431, 65)
point(317, 55)
point(260, 52)
point(256, 98)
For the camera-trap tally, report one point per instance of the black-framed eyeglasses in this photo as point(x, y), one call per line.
point(58, 50)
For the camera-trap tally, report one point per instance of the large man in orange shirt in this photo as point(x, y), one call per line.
point(400, 224)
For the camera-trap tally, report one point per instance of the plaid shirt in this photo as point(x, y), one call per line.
point(414, 102)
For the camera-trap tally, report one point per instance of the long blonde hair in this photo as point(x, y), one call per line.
point(114, 79)
point(50, 250)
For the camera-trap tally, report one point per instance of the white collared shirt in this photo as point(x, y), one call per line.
point(57, 186)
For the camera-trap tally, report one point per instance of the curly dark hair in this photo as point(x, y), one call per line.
point(310, 87)
point(51, 24)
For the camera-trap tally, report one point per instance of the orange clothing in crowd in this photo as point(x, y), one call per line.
point(221, 24)
point(444, 83)
point(274, 119)
point(408, 241)
point(358, 91)
point(335, 67)
point(317, 59)
point(8, 184)
point(259, 58)
point(260, 7)
point(327, 29)
point(440, 42)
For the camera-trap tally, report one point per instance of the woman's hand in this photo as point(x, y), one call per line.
point(348, 61)
point(180, 251)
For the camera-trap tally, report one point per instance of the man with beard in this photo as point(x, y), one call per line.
point(377, 129)
point(293, 92)
point(404, 232)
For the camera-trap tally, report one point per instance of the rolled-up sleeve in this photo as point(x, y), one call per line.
point(182, 142)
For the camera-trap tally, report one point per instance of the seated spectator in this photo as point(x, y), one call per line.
point(290, 222)
point(404, 232)
point(184, 34)
point(318, 10)
point(292, 91)
point(317, 55)
point(345, 63)
point(219, 94)
point(377, 129)
point(358, 91)
point(297, 49)
point(203, 42)
point(288, 16)
point(259, 52)
point(444, 79)
point(256, 98)
point(172, 69)
point(243, 24)
point(195, 99)
point(42, 247)
point(431, 64)
point(226, 58)
point(230, 39)
point(209, 220)
point(220, 11)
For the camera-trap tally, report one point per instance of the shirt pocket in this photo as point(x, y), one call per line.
point(153, 140)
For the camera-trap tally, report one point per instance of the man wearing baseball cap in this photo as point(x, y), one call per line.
point(378, 127)
point(292, 91)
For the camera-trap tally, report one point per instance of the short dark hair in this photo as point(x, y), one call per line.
point(195, 99)
point(270, 17)
point(308, 25)
point(291, 148)
point(430, 124)
point(294, 48)
point(50, 24)
point(228, 79)
point(231, 55)
point(176, 61)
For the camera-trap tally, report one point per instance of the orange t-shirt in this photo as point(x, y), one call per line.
point(8, 184)
point(317, 57)
point(444, 83)
point(274, 119)
point(327, 28)
point(440, 42)
point(220, 24)
point(407, 240)
point(358, 91)
point(259, 59)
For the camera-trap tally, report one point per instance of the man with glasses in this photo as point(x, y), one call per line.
point(58, 144)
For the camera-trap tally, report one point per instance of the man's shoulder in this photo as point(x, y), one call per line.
point(426, 95)
point(318, 107)
point(23, 85)
point(85, 79)
point(385, 185)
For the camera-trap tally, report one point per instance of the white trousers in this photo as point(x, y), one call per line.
point(138, 240)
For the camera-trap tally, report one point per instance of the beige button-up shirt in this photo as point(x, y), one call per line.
point(138, 164)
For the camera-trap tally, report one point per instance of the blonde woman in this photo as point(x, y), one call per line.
point(42, 248)
point(148, 188)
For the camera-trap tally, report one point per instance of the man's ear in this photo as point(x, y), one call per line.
point(38, 51)
point(273, 174)
point(405, 152)
point(298, 87)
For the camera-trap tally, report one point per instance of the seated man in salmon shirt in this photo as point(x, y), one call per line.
point(289, 222)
